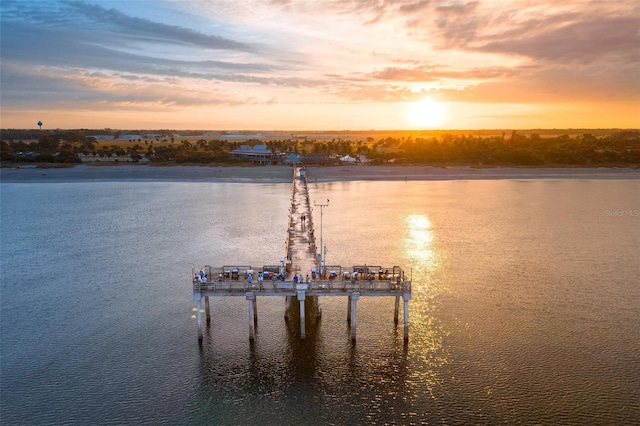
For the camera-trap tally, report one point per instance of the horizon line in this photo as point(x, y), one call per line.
point(331, 131)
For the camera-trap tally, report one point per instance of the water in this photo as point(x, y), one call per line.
point(525, 305)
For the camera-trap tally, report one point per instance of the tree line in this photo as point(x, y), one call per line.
point(620, 148)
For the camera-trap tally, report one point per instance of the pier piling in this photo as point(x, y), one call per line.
point(406, 297)
point(301, 298)
point(250, 300)
point(207, 310)
point(255, 309)
point(199, 317)
point(396, 310)
point(317, 304)
point(354, 315)
point(287, 306)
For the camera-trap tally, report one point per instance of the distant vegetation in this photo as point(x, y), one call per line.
point(619, 149)
point(478, 148)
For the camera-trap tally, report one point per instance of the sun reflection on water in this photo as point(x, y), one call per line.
point(427, 275)
point(419, 241)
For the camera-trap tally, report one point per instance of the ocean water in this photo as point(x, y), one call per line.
point(525, 310)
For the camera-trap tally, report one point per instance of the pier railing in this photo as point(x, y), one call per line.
point(317, 287)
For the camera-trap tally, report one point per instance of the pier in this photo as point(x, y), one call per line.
point(301, 274)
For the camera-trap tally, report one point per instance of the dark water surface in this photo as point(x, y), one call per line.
point(526, 305)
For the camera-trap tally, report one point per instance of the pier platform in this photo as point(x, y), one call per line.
point(301, 274)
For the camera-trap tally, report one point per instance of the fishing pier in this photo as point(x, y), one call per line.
point(300, 275)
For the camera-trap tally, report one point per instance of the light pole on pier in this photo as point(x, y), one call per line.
point(322, 206)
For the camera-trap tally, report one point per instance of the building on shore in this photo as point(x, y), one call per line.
point(258, 154)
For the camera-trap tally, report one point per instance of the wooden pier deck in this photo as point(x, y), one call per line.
point(301, 274)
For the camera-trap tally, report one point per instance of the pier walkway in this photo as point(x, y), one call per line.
point(300, 274)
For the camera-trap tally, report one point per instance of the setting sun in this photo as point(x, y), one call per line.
point(426, 113)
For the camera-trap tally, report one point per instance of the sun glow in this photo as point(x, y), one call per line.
point(426, 113)
point(419, 241)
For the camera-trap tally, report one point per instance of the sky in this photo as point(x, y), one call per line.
point(320, 64)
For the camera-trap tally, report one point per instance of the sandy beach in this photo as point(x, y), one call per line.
point(314, 174)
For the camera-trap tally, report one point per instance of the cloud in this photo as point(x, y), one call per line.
point(383, 93)
point(584, 50)
point(49, 46)
point(61, 89)
point(411, 8)
point(424, 73)
point(181, 54)
point(579, 30)
point(582, 32)
point(578, 41)
point(148, 30)
point(116, 24)
point(77, 35)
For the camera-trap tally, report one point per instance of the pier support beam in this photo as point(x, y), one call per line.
point(301, 297)
point(396, 310)
point(406, 297)
point(317, 304)
point(349, 309)
point(198, 298)
point(207, 310)
point(354, 314)
point(250, 299)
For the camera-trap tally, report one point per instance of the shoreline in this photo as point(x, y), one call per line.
point(283, 174)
